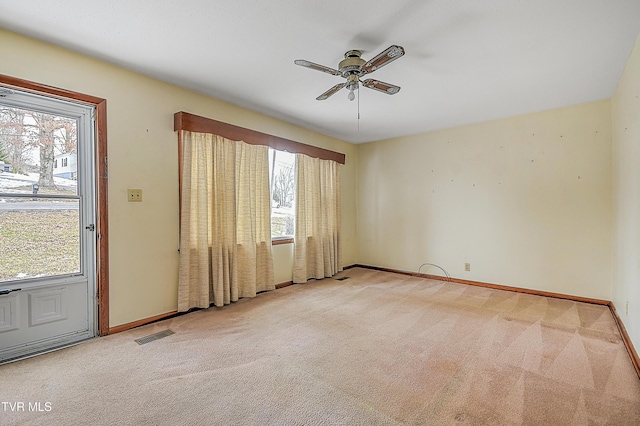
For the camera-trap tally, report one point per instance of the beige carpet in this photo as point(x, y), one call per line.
point(375, 349)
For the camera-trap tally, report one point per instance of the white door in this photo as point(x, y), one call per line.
point(47, 217)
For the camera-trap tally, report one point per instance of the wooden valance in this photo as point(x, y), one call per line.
point(195, 123)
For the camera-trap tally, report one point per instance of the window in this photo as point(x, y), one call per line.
point(64, 162)
point(55, 164)
point(282, 180)
point(281, 156)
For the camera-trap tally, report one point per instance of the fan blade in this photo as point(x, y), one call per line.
point(381, 86)
point(316, 67)
point(331, 91)
point(390, 54)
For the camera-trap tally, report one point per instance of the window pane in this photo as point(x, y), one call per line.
point(38, 238)
point(37, 152)
point(281, 169)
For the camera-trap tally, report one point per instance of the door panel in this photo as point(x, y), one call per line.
point(9, 313)
point(38, 314)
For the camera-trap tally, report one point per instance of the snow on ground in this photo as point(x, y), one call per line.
point(10, 181)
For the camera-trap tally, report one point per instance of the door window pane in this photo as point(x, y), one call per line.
point(38, 152)
point(38, 237)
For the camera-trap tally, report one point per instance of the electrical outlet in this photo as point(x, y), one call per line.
point(467, 267)
point(134, 195)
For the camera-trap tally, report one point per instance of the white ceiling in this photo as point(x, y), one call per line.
point(465, 61)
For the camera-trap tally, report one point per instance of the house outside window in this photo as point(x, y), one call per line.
point(66, 167)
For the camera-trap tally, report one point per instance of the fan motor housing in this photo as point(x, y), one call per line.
point(351, 64)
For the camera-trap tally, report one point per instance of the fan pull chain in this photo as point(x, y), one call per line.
point(358, 109)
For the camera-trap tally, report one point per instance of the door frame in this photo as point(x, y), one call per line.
point(102, 178)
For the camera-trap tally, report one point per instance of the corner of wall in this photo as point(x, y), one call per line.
point(625, 117)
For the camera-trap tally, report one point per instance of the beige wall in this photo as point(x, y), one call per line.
point(525, 200)
point(143, 154)
point(626, 196)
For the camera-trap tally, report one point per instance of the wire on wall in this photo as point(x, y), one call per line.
point(434, 265)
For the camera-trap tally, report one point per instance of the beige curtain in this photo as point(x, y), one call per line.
point(225, 233)
point(318, 247)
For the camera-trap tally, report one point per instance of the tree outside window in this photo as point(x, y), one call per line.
point(29, 141)
point(282, 179)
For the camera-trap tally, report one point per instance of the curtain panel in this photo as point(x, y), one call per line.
point(225, 231)
point(318, 244)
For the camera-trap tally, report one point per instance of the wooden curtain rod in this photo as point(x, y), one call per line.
point(195, 123)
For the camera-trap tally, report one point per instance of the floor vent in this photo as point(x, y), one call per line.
point(156, 336)
point(342, 278)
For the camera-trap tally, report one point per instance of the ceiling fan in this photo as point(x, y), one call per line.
point(352, 67)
